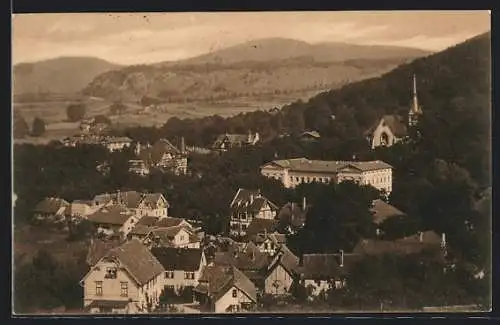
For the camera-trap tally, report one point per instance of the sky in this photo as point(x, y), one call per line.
point(136, 38)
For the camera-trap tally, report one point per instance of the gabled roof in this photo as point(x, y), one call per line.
point(51, 205)
point(138, 260)
point(169, 222)
point(287, 259)
point(185, 259)
point(130, 199)
point(113, 215)
point(216, 280)
point(323, 166)
point(147, 221)
point(151, 199)
point(382, 211)
point(141, 230)
point(325, 266)
point(247, 257)
point(155, 153)
point(395, 123)
point(250, 200)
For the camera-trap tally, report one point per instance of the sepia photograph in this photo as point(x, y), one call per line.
point(251, 163)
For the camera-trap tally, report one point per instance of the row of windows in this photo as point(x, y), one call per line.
point(123, 289)
point(187, 275)
point(308, 179)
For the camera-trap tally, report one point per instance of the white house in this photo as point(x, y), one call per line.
point(281, 273)
point(113, 220)
point(182, 266)
point(82, 208)
point(127, 279)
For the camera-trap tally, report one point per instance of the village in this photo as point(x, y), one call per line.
point(141, 259)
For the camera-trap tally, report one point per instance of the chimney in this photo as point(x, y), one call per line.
point(341, 258)
point(304, 203)
point(421, 236)
point(443, 240)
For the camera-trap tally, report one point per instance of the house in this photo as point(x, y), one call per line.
point(247, 205)
point(113, 220)
point(322, 272)
point(426, 241)
point(224, 142)
point(116, 143)
point(225, 289)
point(292, 217)
point(153, 204)
point(164, 156)
point(51, 209)
point(144, 204)
point(382, 211)
point(260, 226)
point(391, 129)
point(247, 258)
point(178, 236)
point(309, 136)
point(182, 266)
point(127, 279)
point(137, 166)
point(98, 248)
point(82, 208)
point(269, 243)
point(292, 172)
point(281, 272)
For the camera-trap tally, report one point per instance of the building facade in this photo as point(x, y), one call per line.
point(292, 172)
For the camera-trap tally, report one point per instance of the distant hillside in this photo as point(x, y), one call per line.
point(271, 49)
point(263, 67)
point(60, 75)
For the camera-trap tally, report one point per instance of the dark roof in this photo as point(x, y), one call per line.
point(250, 200)
point(292, 214)
point(395, 123)
point(216, 280)
point(382, 211)
point(321, 266)
point(246, 257)
point(98, 248)
point(138, 260)
point(151, 199)
point(130, 199)
point(155, 153)
point(51, 205)
point(147, 221)
point(286, 258)
point(276, 238)
point(113, 215)
point(141, 230)
point(186, 259)
point(259, 225)
point(408, 245)
point(169, 222)
point(322, 166)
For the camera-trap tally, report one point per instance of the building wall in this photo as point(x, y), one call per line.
point(376, 139)
point(282, 278)
point(116, 146)
point(317, 286)
point(129, 225)
point(268, 247)
point(227, 300)
point(160, 211)
point(380, 179)
point(81, 209)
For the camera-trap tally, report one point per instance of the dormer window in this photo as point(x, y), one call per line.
point(111, 273)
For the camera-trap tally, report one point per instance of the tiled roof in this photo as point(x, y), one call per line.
point(325, 266)
point(185, 259)
point(147, 221)
point(275, 238)
point(169, 222)
point(51, 205)
point(113, 215)
point(155, 153)
point(138, 260)
point(98, 248)
point(250, 200)
point(151, 199)
point(216, 280)
point(395, 123)
point(287, 259)
point(382, 211)
point(259, 225)
point(292, 214)
point(141, 230)
point(322, 166)
point(247, 257)
point(131, 199)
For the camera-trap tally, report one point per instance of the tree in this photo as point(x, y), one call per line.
point(76, 112)
point(38, 128)
point(117, 108)
point(20, 127)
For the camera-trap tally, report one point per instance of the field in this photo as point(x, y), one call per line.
point(57, 126)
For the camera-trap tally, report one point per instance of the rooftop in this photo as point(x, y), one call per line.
point(186, 259)
point(322, 166)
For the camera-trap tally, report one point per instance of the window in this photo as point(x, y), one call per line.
point(111, 273)
point(98, 288)
point(189, 275)
point(244, 227)
point(124, 289)
point(235, 293)
point(169, 274)
point(266, 246)
point(182, 237)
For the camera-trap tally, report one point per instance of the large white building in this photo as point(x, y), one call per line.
point(292, 172)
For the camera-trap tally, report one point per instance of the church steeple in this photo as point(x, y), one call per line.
point(415, 108)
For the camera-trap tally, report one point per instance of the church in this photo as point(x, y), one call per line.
point(391, 129)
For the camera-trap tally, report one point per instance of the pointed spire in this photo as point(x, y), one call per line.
point(415, 108)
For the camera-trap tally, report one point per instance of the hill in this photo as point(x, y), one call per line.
point(59, 75)
point(276, 67)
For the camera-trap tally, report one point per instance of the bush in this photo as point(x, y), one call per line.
point(38, 128)
point(76, 112)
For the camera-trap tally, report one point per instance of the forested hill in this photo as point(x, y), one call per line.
point(453, 88)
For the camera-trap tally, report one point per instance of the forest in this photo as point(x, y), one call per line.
point(440, 176)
